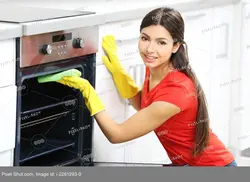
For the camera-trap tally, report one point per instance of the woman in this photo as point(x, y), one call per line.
point(171, 102)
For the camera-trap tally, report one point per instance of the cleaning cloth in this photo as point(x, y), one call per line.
point(58, 76)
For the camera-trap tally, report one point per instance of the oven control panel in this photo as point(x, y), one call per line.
point(55, 46)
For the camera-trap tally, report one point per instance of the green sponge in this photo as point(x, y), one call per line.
point(58, 76)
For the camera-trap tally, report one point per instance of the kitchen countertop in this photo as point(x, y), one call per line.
point(105, 13)
point(10, 30)
point(44, 26)
point(124, 11)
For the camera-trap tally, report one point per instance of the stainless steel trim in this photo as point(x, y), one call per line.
point(43, 120)
point(30, 46)
point(40, 27)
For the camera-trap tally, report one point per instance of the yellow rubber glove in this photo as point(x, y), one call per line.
point(125, 85)
point(92, 100)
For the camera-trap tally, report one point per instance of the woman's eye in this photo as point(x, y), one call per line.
point(143, 38)
point(162, 43)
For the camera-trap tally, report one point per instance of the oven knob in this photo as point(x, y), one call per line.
point(78, 43)
point(46, 49)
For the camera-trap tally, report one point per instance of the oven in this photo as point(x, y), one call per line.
point(53, 125)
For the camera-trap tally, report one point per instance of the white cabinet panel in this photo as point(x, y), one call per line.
point(6, 158)
point(244, 110)
point(124, 32)
point(221, 80)
point(7, 62)
point(7, 117)
point(104, 151)
point(198, 37)
point(146, 150)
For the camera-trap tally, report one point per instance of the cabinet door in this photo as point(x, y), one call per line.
point(220, 76)
point(243, 109)
point(199, 40)
point(126, 34)
point(6, 158)
point(7, 63)
point(7, 117)
point(104, 151)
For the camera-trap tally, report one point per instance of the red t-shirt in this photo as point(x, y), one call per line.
point(177, 134)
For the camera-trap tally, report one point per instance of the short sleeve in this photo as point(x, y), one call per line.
point(175, 94)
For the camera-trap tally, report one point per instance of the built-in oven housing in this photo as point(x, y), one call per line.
point(54, 126)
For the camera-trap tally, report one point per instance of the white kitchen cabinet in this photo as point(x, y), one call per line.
point(7, 117)
point(198, 37)
point(104, 151)
point(7, 62)
point(220, 76)
point(6, 158)
point(208, 34)
point(242, 111)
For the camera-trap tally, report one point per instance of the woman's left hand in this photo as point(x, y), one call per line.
point(92, 100)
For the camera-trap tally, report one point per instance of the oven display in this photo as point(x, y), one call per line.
point(62, 37)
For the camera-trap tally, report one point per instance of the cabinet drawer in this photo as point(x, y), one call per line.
point(198, 29)
point(122, 30)
point(6, 158)
point(104, 151)
point(7, 117)
point(7, 63)
point(126, 34)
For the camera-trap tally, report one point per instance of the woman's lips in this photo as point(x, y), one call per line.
point(150, 58)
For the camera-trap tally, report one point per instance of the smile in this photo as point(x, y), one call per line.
point(150, 58)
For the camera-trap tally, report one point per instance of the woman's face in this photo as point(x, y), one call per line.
point(156, 46)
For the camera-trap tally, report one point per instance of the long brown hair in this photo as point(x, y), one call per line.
point(173, 22)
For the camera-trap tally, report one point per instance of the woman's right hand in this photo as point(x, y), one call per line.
point(111, 61)
point(125, 85)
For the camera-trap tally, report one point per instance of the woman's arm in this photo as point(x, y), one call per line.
point(141, 123)
point(136, 101)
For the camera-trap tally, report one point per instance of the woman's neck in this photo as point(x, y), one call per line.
point(160, 72)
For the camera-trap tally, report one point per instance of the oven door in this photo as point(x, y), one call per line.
point(54, 127)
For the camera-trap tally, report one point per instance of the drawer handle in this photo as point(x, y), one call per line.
point(195, 17)
point(225, 54)
point(119, 40)
point(131, 69)
point(134, 77)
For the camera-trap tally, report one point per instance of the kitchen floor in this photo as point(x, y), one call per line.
point(103, 164)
